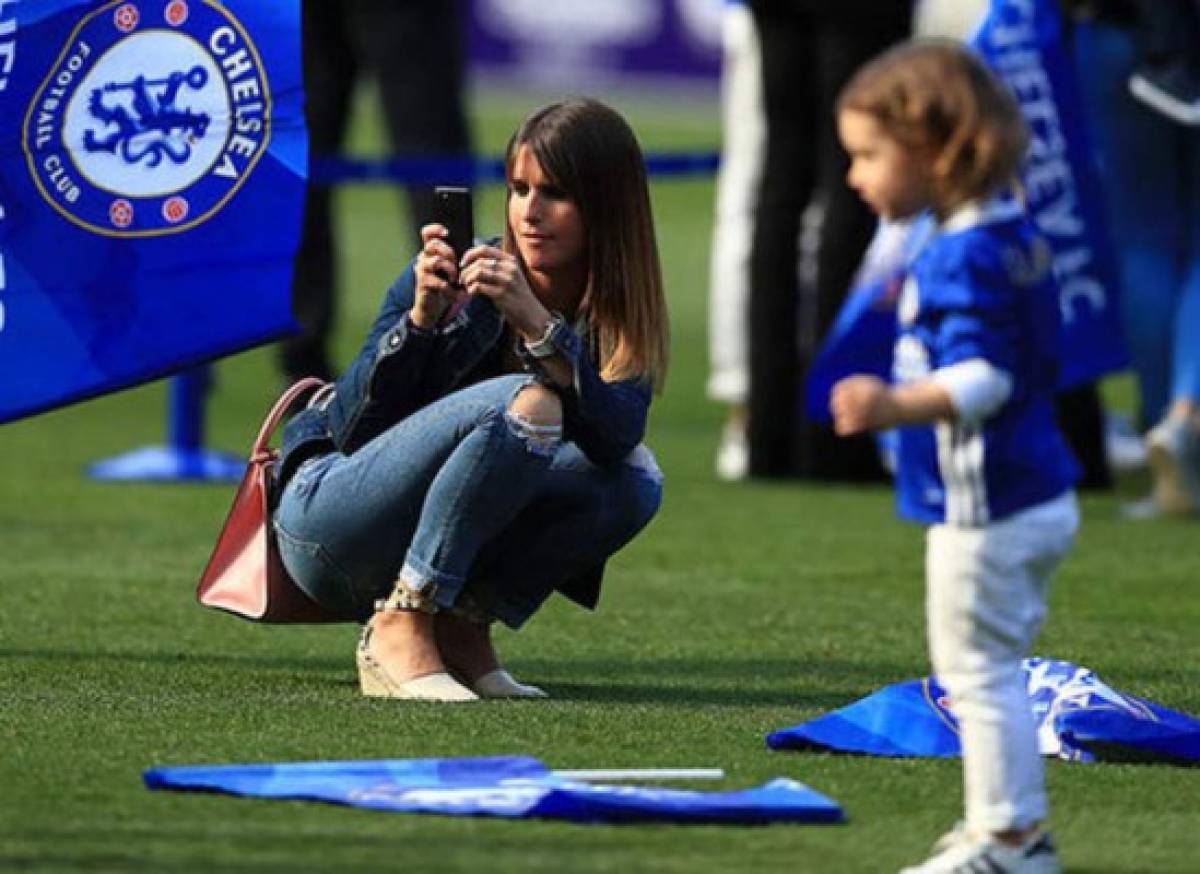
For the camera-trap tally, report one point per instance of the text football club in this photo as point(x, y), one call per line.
point(153, 116)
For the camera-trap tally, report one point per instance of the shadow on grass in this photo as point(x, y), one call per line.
point(727, 682)
point(708, 697)
point(720, 682)
point(189, 659)
point(380, 859)
point(177, 851)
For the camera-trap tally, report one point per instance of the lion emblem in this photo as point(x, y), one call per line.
point(148, 125)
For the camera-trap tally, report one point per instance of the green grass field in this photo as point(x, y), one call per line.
point(742, 609)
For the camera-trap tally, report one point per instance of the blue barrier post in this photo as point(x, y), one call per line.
point(184, 458)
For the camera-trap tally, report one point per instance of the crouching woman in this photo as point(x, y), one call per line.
point(484, 449)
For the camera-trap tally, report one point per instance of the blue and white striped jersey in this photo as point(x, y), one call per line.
point(981, 289)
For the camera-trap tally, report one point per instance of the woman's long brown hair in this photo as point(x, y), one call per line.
point(588, 150)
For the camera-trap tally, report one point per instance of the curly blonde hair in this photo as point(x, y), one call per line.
point(936, 98)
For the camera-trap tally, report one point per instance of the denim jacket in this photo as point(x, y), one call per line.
point(402, 368)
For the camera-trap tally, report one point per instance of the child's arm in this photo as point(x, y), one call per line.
point(867, 403)
point(971, 390)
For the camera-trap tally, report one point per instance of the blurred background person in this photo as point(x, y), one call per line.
point(809, 50)
point(743, 140)
point(1152, 185)
point(416, 51)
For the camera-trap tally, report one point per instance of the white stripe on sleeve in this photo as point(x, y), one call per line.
point(977, 388)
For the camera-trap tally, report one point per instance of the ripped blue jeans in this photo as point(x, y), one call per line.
point(461, 498)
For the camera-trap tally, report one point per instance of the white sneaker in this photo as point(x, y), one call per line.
point(1142, 509)
point(1173, 447)
point(1123, 444)
point(1171, 92)
point(959, 852)
point(733, 455)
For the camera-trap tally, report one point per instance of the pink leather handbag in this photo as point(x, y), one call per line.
point(244, 575)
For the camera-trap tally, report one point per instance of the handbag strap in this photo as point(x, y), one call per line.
point(277, 412)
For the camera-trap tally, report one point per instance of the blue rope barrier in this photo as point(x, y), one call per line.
point(441, 170)
point(184, 458)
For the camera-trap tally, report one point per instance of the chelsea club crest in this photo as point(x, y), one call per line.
point(151, 119)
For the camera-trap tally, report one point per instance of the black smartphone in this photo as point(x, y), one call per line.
point(453, 209)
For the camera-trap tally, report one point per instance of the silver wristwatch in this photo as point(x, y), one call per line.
point(544, 347)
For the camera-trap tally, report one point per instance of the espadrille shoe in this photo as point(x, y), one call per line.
point(376, 682)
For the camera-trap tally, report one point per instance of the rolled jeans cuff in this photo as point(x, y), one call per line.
point(429, 583)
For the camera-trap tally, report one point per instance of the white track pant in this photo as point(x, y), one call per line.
point(744, 137)
point(957, 19)
point(985, 602)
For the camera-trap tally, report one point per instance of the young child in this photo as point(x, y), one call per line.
point(980, 460)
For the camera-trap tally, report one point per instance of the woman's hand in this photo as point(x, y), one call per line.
point(437, 273)
point(496, 274)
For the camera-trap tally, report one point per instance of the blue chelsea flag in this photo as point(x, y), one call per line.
point(1079, 718)
point(510, 787)
point(152, 169)
point(1022, 42)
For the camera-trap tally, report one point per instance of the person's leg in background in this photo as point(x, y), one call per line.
point(743, 139)
point(1174, 443)
point(1081, 417)
point(1185, 380)
point(1147, 190)
point(1137, 152)
point(789, 172)
point(841, 228)
point(956, 19)
point(330, 70)
point(809, 50)
point(417, 49)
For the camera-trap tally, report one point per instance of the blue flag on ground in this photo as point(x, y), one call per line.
point(511, 787)
point(1079, 718)
point(152, 171)
point(1022, 42)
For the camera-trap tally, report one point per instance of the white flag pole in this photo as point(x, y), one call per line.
point(643, 774)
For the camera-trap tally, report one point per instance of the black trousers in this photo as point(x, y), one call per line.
point(1169, 30)
point(416, 50)
point(809, 51)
